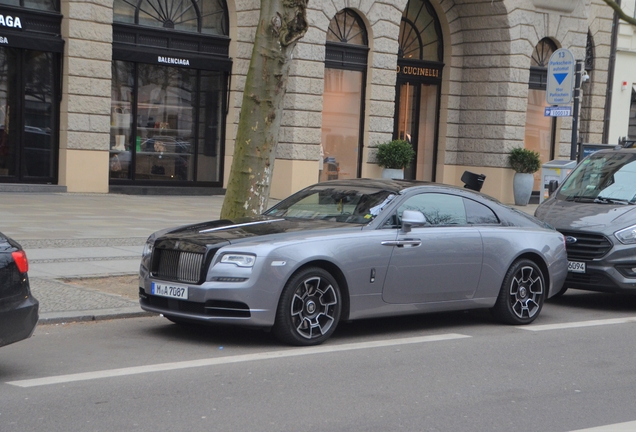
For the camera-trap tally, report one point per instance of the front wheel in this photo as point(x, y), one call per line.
point(522, 294)
point(309, 308)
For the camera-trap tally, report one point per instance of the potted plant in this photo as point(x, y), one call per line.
point(394, 156)
point(525, 163)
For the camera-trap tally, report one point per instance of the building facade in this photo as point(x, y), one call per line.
point(622, 121)
point(113, 95)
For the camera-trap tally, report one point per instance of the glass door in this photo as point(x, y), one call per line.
point(416, 122)
point(27, 116)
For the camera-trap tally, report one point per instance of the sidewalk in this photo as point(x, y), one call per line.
point(71, 236)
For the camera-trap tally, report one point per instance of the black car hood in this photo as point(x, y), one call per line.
point(248, 229)
point(604, 218)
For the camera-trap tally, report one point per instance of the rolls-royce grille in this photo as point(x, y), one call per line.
point(587, 246)
point(177, 265)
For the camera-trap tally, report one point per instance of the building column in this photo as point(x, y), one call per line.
point(86, 85)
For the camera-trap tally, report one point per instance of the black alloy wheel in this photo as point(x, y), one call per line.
point(522, 293)
point(309, 308)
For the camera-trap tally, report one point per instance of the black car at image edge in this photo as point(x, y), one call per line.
point(18, 308)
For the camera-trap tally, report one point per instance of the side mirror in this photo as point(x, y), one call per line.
point(412, 218)
point(553, 185)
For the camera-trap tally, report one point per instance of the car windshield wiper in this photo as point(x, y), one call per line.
point(606, 200)
point(579, 198)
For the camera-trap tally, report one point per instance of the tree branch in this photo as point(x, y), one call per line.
point(621, 14)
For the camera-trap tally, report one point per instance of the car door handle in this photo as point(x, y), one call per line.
point(403, 243)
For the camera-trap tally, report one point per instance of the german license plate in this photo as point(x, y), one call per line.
point(576, 267)
point(167, 290)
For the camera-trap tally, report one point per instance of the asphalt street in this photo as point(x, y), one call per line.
point(573, 370)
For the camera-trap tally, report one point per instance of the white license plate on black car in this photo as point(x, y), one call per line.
point(169, 290)
point(576, 267)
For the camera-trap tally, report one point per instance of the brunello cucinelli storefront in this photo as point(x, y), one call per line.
point(30, 50)
point(170, 75)
point(419, 78)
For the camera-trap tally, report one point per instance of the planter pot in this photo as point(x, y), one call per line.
point(392, 173)
point(522, 188)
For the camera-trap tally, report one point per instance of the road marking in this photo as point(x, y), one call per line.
point(323, 349)
point(617, 427)
point(579, 324)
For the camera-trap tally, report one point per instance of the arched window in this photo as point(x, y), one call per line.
point(589, 53)
point(343, 97)
point(347, 28)
point(540, 130)
point(539, 63)
point(420, 33)
point(419, 77)
point(196, 16)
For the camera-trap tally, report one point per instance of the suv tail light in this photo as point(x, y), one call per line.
point(21, 261)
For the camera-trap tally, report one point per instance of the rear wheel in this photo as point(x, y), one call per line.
point(522, 294)
point(309, 308)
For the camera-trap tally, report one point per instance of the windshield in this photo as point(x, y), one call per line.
point(334, 203)
point(603, 178)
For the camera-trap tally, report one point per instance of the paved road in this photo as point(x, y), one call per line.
point(458, 372)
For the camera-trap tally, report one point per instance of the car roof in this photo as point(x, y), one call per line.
point(398, 186)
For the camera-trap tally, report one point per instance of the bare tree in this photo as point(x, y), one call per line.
point(621, 14)
point(281, 24)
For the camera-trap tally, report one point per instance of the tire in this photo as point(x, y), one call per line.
point(522, 294)
point(309, 308)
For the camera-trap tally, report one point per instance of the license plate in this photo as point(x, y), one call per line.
point(576, 267)
point(166, 290)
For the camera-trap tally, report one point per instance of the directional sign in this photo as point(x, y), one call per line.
point(558, 111)
point(560, 77)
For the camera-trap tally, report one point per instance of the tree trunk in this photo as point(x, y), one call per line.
point(281, 24)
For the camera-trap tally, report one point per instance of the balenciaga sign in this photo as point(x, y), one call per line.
point(9, 21)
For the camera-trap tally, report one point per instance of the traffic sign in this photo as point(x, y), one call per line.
point(558, 111)
point(560, 77)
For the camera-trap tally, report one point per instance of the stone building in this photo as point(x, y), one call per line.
point(122, 95)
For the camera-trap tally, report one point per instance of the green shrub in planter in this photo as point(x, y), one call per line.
point(524, 161)
point(396, 154)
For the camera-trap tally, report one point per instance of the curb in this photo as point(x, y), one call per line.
point(85, 316)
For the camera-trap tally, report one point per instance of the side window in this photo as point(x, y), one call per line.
point(439, 209)
point(479, 214)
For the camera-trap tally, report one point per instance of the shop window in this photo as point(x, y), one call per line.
point(419, 75)
point(172, 131)
point(539, 129)
point(343, 97)
point(195, 16)
point(46, 5)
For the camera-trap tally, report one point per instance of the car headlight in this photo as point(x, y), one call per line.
point(150, 244)
point(240, 260)
point(627, 235)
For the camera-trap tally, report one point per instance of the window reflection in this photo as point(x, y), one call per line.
point(341, 123)
point(177, 110)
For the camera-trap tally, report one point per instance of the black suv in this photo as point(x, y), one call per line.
point(595, 209)
point(18, 308)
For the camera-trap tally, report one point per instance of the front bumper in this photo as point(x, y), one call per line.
point(213, 304)
point(604, 274)
point(18, 320)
